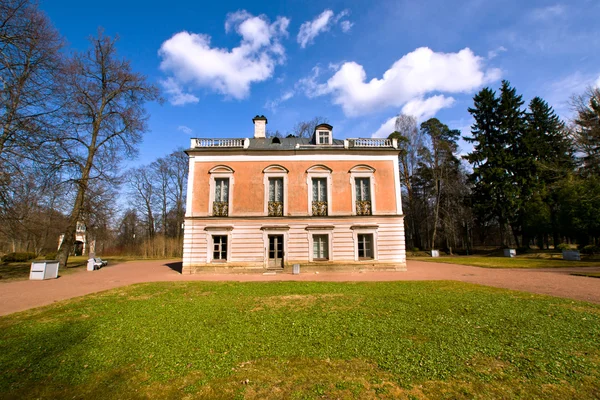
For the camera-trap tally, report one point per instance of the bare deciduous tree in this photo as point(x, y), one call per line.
point(105, 119)
point(305, 129)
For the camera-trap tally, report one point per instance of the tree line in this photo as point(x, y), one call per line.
point(530, 179)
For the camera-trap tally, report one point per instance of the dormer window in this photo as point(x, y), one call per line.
point(324, 137)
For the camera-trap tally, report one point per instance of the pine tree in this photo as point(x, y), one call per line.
point(550, 160)
point(511, 122)
point(494, 192)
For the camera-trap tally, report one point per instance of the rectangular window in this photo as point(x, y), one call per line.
point(276, 197)
point(221, 202)
point(363, 196)
point(323, 137)
point(319, 189)
point(276, 189)
point(320, 247)
point(220, 248)
point(319, 196)
point(363, 189)
point(365, 246)
point(222, 189)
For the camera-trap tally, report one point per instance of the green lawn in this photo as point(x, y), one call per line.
point(410, 340)
point(506, 262)
point(588, 274)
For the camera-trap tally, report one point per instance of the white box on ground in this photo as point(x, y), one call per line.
point(571, 255)
point(91, 265)
point(510, 253)
point(295, 269)
point(44, 269)
point(435, 253)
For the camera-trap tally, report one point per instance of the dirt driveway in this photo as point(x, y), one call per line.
point(22, 295)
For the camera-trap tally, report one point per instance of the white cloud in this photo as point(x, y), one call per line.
point(185, 129)
point(558, 93)
point(494, 53)
point(597, 83)
point(411, 77)
point(419, 108)
point(546, 13)
point(192, 62)
point(309, 30)
point(386, 128)
point(274, 104)
point(424, 109)
point(176, 95)
point(346, 26)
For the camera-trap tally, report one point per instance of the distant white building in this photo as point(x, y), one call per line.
point(81, 245)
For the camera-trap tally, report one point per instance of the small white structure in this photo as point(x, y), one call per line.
point(571, 255)
point(41, 270)
point(510, 253)
point(435, 253)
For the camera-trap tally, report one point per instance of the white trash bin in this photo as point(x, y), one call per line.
point(45, 269)
point(510, 253)
point(296, 269)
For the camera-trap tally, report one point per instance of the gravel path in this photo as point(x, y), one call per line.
point(23, 295)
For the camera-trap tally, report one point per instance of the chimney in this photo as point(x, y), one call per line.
point(260, 126)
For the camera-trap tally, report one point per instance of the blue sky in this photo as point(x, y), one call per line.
point(356, 63)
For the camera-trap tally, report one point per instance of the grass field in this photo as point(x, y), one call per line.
point(588, 274)
point(506, 262)
point(292, 340)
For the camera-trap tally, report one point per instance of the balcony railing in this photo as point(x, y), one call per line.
point(218, 142)
point(363, 207)
point(275, 209)
point(371, 142)
point(220, 209)
point(319, 208)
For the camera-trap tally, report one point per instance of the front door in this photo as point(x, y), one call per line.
point(275, 251)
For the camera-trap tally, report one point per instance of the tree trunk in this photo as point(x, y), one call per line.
point(69, 238)
point(437, 214)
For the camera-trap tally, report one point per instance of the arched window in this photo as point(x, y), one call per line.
point(275, 188)
point(319, 190)
point(362, 179)
point(221, 191)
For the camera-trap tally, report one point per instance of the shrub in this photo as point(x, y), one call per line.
point(50, 256)
point(18, 257)
point(591, 249)
point(563, 246)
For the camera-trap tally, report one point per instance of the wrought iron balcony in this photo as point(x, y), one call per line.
point(275, 209)
point(363, 207)
point(220, 209)
point(319, 208)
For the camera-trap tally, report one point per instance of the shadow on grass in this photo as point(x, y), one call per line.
point(175, 266)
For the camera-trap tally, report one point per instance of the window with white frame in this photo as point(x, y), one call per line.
point(275, 184)
point(324, 137)
point(319, 190)
point(319, 196)
point(364, 246)
point(221, 189)
point(221, 201)
point(219, 248)
point(320, 247)
point(362, 179)
point(363, 196)
point(275, 197)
